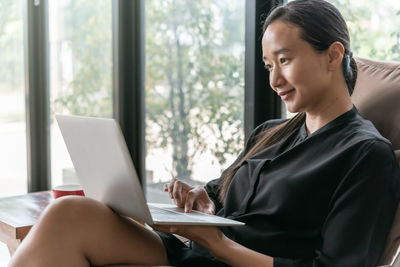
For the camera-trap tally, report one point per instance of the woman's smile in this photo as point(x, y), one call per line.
point(285, 95)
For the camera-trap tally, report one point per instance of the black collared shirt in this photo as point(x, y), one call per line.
point(327, 199)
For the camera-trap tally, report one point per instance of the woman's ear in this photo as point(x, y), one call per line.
point(335, 55)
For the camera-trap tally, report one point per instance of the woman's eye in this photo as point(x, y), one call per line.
point(283, 60)
point(268, 67)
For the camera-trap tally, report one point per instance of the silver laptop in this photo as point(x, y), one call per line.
point(106, 173)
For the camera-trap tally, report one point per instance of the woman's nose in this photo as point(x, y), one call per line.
point(276, 79)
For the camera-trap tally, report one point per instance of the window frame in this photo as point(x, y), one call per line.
point(128, 45)
point(36, 61)
point(261, 102)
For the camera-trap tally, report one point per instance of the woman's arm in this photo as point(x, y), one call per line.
point(220, 246)
point(234, 254)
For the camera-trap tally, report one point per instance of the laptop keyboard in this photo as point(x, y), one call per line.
point(174, 215)
point(165, 214)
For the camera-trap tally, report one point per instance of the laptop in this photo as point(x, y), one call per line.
point(106, 172)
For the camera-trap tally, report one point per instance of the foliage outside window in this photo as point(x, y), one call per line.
point(83, 47)
point(374, 27)
point(194, 83)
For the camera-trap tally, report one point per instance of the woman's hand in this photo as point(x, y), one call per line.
point(189, 197)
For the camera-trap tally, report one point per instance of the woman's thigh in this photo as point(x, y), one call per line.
point(79, 226)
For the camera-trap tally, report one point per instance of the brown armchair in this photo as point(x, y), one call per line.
point(377, 97)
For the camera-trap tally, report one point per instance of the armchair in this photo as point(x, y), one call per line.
point(377, 97)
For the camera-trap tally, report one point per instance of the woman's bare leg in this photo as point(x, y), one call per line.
point(78, 231)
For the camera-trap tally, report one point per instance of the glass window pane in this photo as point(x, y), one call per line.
point(194, 90)
point(374, 27)
point(13, 161)
point(80, 70)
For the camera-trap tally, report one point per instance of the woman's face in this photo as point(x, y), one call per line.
point(298, 73)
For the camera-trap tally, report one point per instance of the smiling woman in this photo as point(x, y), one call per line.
point(303, 187)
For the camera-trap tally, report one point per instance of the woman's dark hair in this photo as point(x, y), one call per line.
point(321, 24)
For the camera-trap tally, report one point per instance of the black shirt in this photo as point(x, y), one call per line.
point(327, 199)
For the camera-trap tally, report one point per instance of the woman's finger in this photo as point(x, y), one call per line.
point(202, 201)
point(190, 198)
point(171, 187)
point(177, 193)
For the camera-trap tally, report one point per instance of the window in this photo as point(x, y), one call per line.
point(80, 70)
point(194, 90)
point(374, 27)
point(13, 162)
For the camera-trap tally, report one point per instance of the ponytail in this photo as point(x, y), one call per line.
point(349, 67)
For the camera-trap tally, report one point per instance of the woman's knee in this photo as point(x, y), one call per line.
point(72, 209)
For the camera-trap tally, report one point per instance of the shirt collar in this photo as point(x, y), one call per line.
point(338, 120)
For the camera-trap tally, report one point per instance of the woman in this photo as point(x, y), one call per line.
point(320, 189)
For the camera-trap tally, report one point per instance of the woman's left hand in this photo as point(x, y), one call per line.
point(205, 236)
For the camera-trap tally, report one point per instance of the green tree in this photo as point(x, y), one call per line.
point(11, 43)
point(374, 27)
point(194, 85)
point(87, 33)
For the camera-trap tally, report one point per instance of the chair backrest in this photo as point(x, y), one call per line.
point(377, 97)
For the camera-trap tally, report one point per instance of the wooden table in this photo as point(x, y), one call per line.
point(18, 214)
